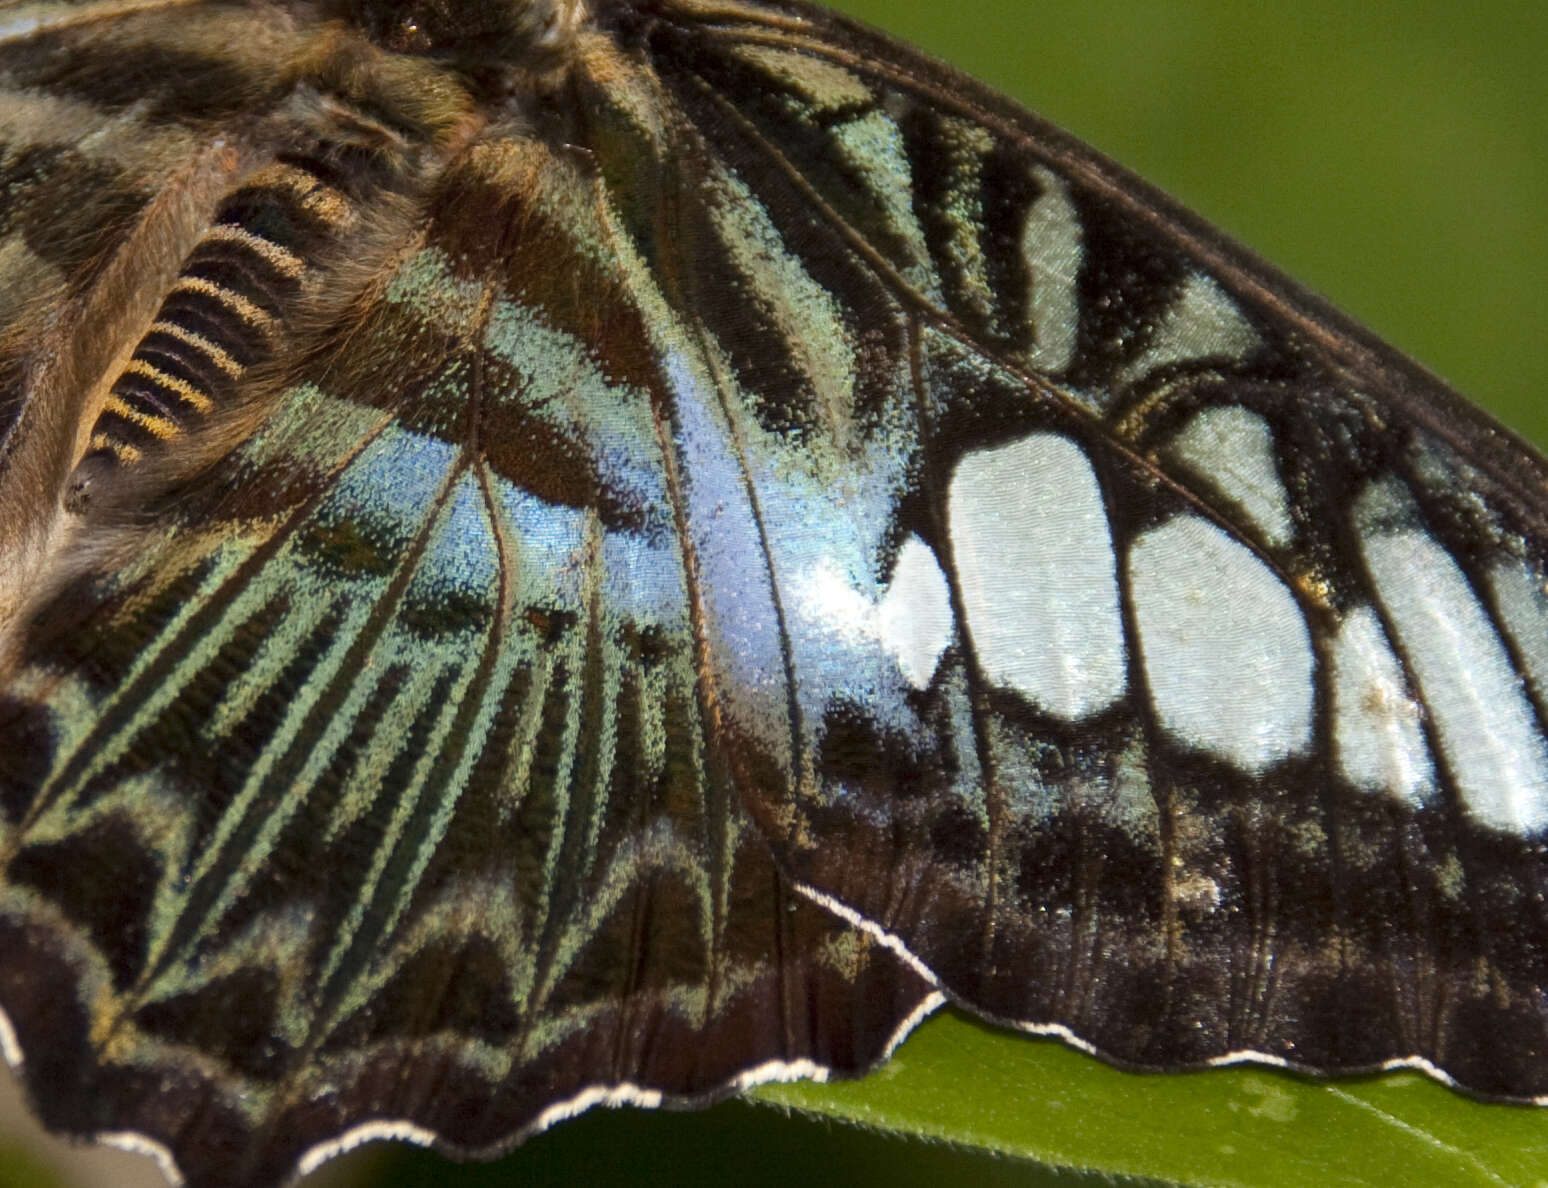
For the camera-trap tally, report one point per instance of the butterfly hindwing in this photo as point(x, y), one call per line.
point(375, 784)
point(722, 530)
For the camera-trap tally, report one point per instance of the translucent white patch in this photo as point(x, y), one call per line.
point(1203, 323)
point(1376, 724)
point(1226, 650)
point(914, 617)
point(1034, 556)
point(1232, 449)
point(1052, 249)
point(911, 622)
point(1482, 718)
point(1523, 611)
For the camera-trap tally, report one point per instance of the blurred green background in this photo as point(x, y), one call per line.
point(1390, 156)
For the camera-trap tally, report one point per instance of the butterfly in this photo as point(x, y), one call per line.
point(112, 653)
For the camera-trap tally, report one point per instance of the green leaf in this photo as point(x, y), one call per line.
point(1243, 1127)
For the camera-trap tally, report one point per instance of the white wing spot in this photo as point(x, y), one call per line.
point(1034, 555)
point(1226, 650)
point(1203, 323)
point(1376, 724)
point(1052, 250)
point(1232, 449)
point(1482, 718)
point(1523, 606)
point(911, 621)
point(914, 616)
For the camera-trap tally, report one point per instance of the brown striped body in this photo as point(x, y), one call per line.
point(241, 290)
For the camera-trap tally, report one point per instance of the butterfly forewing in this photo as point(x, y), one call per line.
point(1181, 623)
point(616, 557)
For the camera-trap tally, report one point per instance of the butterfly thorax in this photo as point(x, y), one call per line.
point(203, 300)
point(507, 32)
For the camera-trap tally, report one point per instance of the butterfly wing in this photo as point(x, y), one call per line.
point(762, 523)
point(362, 786)
point(1177, 686)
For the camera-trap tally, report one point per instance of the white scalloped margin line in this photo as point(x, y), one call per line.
point(890, 940)
point(402, 1130)
point(139, 1144)
point(629, 1094)
point(10, 1046)
point(611, 1096)
point(123, 1140)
